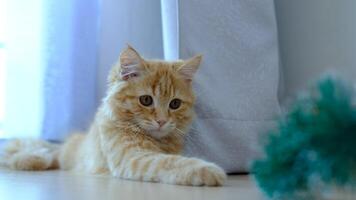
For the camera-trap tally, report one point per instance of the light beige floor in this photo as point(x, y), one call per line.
point(52, 185)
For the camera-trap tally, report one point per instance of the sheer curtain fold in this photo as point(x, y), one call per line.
point(70, 70)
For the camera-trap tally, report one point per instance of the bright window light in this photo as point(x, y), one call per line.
point(2, 64)
point(21, 68)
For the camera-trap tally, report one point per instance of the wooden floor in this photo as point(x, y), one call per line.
point(66, 185)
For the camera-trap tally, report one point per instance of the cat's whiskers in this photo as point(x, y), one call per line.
point(188, 137)
point(183, 135)
point(191, 138)
point(178, 133)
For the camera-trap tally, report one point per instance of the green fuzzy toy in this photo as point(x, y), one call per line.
point(314, 144)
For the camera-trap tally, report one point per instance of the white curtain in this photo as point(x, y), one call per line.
point(59, 54)
point(51, 67)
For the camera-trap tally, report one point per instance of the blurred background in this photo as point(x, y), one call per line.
point(55, 55)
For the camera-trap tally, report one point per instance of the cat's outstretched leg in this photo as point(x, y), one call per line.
point(172, 169)
point(137, 160)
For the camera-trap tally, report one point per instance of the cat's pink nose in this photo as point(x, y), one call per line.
point(161, 122)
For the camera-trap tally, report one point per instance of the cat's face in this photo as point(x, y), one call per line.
point(155, 96)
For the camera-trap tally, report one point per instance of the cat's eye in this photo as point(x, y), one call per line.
point(175, 104)
point(146, 100)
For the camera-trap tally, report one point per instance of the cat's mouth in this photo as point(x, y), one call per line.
point(155, 131)
point(158, 133)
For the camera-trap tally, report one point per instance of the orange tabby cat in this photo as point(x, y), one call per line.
point(137, 132)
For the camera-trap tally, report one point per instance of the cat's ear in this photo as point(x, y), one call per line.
point(190, 67)
point(131, 63)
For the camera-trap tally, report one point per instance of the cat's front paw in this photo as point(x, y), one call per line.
point(208, 174)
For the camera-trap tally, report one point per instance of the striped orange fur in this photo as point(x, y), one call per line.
point(138, 130)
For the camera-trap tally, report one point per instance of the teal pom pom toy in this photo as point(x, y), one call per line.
point(314, 145)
